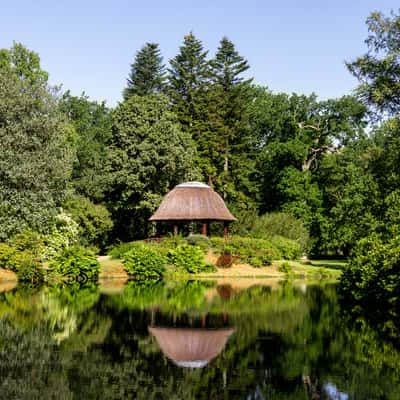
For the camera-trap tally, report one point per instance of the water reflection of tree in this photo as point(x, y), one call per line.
point(287, 345)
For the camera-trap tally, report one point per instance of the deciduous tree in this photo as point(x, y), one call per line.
point(149, 154)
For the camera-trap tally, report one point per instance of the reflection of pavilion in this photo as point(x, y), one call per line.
point(193, 348)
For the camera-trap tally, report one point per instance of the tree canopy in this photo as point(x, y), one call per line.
point(147, 75)
point(35, 156)
point(148, 155)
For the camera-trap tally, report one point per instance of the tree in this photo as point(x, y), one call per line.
point(298, 131)
point(379, 69)
point(228, 65)
point(351, 198)
point(35, 156)
point(149, 154)
point(187, 81)
point(147, 74)
point(24, 63)
point(92, 123)
point(295, 135)
point(236, 150)
point(94, 220)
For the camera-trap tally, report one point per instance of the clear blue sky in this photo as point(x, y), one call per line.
point(292, 46)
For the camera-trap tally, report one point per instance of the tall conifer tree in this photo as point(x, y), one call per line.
point(228, 65)
point(227, 68)
point(188, 77)
point(147, 74)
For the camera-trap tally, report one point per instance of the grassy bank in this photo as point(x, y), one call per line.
point(319, 269)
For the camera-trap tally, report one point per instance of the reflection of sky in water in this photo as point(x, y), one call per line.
point(333, 392)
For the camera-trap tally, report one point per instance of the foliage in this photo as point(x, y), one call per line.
point(285, 267)
point(246, 217)
point(148, 155)
point(379, 69)
point(119, 249)
point(144, 263)
point(187, 78)
point(28, 241)
point(64, 233)
point(6, 253)
point(23, 255)
point(280, 224)
point(23, 63)
point(92, 122)
point(94, 221)
point(256, 252)
point(351, 198)
point(371, 276)
point(170, 242)
point(28, 267)
point(189, 258)
point(228, 65)
point(26, 263)
point(147, 75)
point(201, 241)
point(288, 248)
point(34, 137)
point(76, 263)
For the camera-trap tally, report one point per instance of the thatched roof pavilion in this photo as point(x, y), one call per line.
point(191, 348)
point(193, 201)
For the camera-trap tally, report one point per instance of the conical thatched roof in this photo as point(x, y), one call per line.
point(193, 348)
point(192, 201)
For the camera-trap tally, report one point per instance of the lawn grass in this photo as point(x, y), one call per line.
point(320, 269)
point(335, 264)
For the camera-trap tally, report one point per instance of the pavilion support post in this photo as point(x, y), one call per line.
point(175, 230)
point(204, 229)
point(226, 229)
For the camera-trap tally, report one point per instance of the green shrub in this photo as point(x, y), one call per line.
point(64, 233)
point(6, 253)
point(27, 267)
point(280, 224)
point(288, 248)
point(189, 259)
point(24, 257)
point(94, 221)
point(286, 268)
point(76, 263)
point(118, 250)
point(144, 262)
point(201, 241)
point(30, 241)
point(170, 242)
point(372, 274)
point(256, 252)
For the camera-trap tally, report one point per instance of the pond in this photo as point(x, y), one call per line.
point(191, 340)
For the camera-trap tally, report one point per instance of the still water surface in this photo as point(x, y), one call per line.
point(191, 340)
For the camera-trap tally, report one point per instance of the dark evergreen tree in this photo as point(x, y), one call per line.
point(147, 74)
point(228, 65)
point(188, 78)
point(236, 150)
